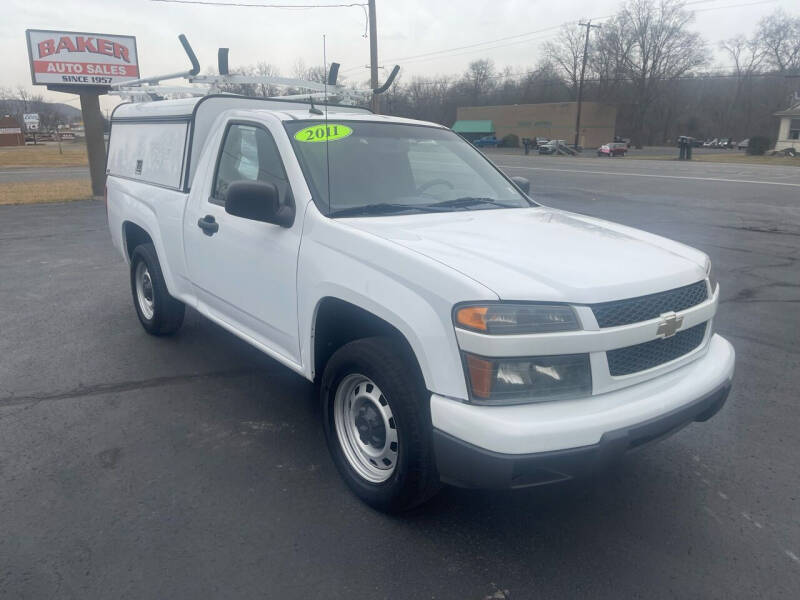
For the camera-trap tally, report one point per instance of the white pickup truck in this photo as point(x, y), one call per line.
point(459, 331)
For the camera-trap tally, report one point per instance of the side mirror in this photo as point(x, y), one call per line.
point(523, 184)
point(257, 201)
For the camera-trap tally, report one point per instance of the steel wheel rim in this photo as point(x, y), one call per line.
point(366, 428)
point(144, 291)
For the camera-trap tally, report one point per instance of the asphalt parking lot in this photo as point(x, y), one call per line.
point(195, 467)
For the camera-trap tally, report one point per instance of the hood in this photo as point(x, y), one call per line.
point(544, 254)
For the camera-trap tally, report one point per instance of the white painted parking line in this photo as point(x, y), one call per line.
point(623, 174)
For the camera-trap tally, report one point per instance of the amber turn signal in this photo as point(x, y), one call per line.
point(473, 317)
point(480, 376)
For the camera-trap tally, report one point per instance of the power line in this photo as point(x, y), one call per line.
point(478, 49)
point(474, 45)
point(246, 5)
point(734, 6)
point(426, 55)
point(477, 46)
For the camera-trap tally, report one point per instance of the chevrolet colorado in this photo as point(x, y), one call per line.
point(459, 331)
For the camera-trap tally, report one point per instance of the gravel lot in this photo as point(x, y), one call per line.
point(195, 467)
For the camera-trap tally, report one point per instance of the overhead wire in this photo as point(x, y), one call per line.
point(534, 35)
point(262, 5)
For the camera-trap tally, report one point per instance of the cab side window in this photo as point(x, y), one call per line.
point(249, 153)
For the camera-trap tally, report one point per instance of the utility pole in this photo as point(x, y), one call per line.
point(373, 56)
point(580, 84)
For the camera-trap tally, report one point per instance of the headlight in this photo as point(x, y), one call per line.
point(711, 277)
point(530, 379)
point(511, 318)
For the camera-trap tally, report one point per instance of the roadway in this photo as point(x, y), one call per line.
point(196, 467)
point(18, 174)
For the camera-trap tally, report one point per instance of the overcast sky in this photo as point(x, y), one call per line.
point(406, 29)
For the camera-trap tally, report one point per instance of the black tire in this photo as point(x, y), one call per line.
point(388, 363)
point(168, 312)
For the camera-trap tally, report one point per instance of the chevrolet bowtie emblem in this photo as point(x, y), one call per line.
point(670, 323)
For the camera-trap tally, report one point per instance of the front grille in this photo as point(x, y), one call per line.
point(633, 359)
point(643, 308)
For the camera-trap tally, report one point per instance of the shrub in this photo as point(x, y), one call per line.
point(510, 141)
point(758, 145)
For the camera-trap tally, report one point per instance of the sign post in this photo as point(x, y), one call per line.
point(86, 64)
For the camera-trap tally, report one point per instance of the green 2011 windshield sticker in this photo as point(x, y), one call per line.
point(323, 133)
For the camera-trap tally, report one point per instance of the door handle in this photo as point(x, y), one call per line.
point(208, 224)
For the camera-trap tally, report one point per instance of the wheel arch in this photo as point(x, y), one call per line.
point(134, 235)
point(337, 322)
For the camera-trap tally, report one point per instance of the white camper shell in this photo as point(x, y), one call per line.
point(159, 143)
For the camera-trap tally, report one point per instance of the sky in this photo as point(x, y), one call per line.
point(411, 33)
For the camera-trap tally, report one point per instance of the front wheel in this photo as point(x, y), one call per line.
point(377, 424)
point(158, 312)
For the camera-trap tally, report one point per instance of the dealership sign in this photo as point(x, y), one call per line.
point(81, 59)
point(31, 121)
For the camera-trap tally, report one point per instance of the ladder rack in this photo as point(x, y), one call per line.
point(151, 89)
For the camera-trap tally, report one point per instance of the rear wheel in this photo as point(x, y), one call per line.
point(158, 312)
point(377, 424)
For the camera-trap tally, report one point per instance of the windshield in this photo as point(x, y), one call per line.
point(392, 168)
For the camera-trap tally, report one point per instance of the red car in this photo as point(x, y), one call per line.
point(613, 149)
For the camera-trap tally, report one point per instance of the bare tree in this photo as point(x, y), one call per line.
point(779, 36)
point(265, 69)
point(317, 74)
point(566, 55)
point(653, 46)
point(479, 77)
point(748, 56)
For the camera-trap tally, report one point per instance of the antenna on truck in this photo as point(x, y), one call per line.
point(150, 88)
point(327, 132)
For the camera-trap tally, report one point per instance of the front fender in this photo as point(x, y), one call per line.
point(404, 288)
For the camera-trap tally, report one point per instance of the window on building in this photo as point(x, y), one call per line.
point(794, 129)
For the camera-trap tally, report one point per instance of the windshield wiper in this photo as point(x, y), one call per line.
point(465, 201)
point(382, 208)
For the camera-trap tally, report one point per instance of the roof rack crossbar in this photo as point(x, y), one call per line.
point(149, 88)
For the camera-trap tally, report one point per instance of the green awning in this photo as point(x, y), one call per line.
point(473, 127)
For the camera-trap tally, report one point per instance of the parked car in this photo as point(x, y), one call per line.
point(612, 149)
point(725, 143)
point(551, 147)
point(512, 346)
point(539, 141)
point(743, 144)
point(487, 141)
point(712, 143)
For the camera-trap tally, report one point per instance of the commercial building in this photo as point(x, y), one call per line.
point(789, 129)
point(554, 120)
point(10, 132)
